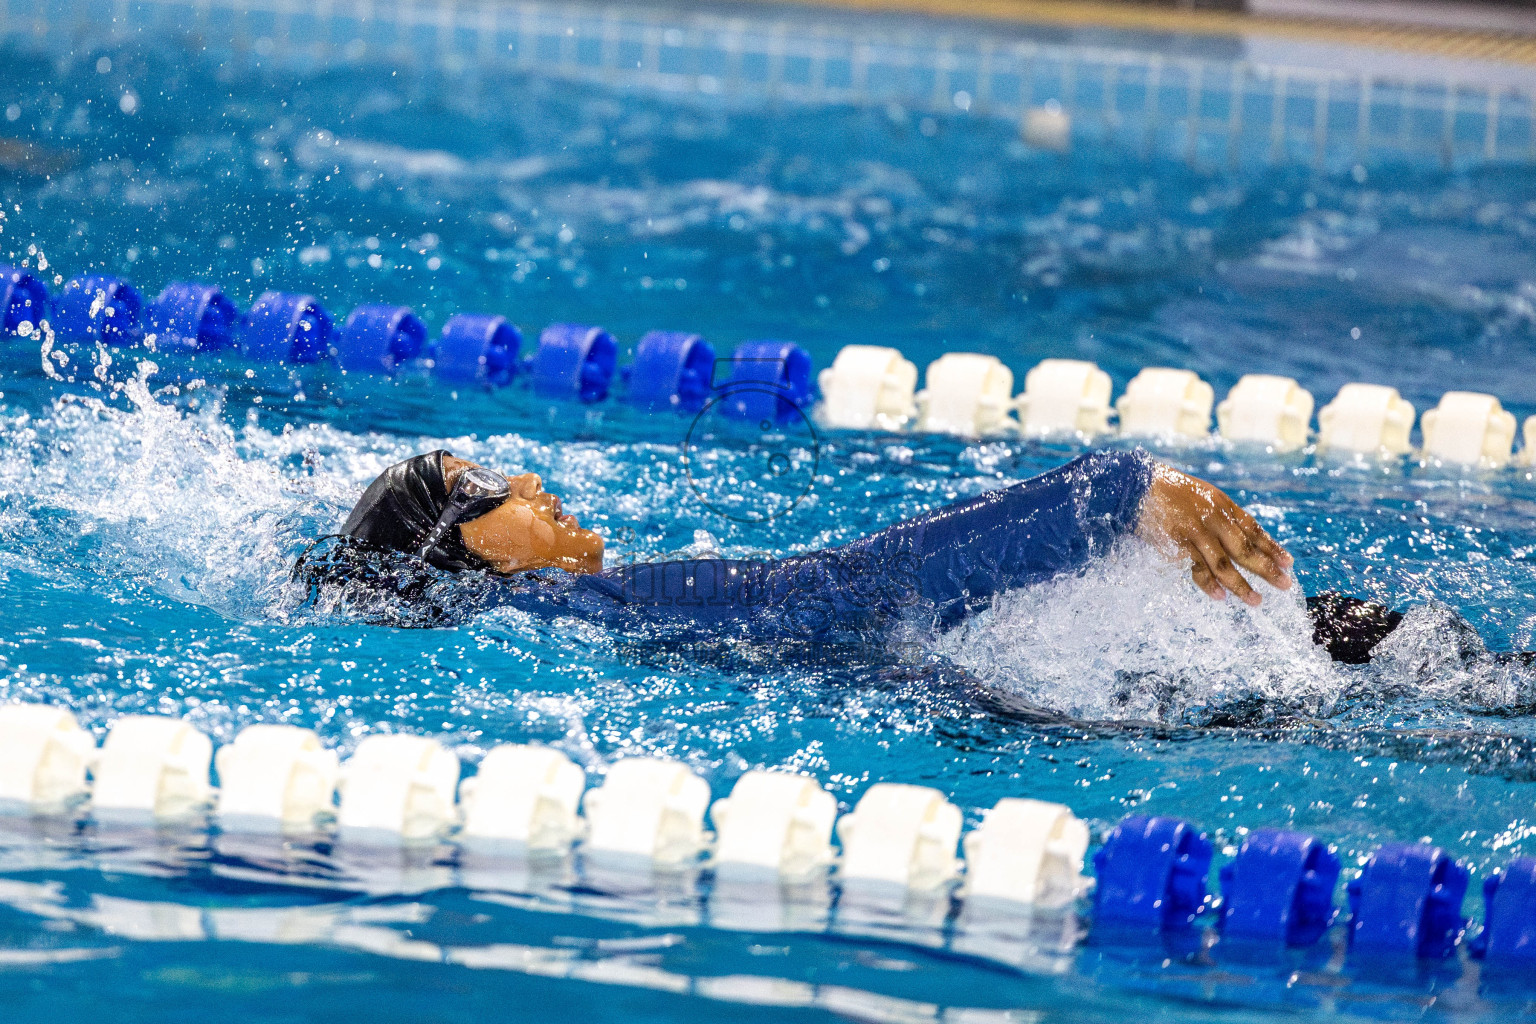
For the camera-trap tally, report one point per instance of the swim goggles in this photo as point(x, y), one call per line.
point(477, 493)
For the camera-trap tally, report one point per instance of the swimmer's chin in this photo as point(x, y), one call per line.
point(586, 558)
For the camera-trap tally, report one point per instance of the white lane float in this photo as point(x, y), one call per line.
point(398, 786)
point(1026, 852)
point(152, 766)
point(649, 808)
point(275, 775)
point(44, 755)
point(965, 394)
point(1366, 419)
point(868, 387)
point(1468, 429)
point(900, 835)
point(774, 823)
point(524, 795)
point(1064, 397)
point(1166, 403)
point(1268, 410)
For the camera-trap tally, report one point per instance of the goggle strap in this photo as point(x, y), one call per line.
point(452, 512)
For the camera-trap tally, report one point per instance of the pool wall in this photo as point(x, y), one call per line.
point(1213, 106)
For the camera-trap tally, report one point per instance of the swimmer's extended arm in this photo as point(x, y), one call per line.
point(953, 559)
point(968, 551)
point(958, 557)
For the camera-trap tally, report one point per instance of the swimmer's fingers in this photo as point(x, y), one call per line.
point(1204, 580)
point(1246, 543)
point(1262, 543)
point(1190, 516)
point(1276, 550)
point(1210, 551)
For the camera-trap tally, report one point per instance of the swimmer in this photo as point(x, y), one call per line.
point(457, 517)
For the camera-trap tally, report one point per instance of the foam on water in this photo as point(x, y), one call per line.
point(1434, 658)
point(1131, 638)
point(146, 489)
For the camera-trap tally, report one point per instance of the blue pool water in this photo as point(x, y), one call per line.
point(149, 526)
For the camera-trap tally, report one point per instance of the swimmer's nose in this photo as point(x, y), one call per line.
point(526, 485)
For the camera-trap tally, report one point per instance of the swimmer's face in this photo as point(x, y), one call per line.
point(529, 531)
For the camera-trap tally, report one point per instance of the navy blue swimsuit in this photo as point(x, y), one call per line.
point(939, 566)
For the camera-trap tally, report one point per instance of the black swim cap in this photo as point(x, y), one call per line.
point(399, 509)
point(1348, 627)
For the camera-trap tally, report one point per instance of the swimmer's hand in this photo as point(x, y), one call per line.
point(1188, 518)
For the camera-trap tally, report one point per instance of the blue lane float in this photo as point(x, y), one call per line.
point(477, 348)
point(574, 361)
point(1406, 903)
point(285, 328)
point(379, 338)
point(770, 382)
point(1151, 876)
point(99, 308)
point(1507, 943)
point(671, 370)
point(23, 299)
point(191, 317)
point(1279, 889)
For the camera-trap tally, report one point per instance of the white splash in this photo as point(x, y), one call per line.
point(1435, 657)
point(159, 488)
point(1131, 638)
point(162, 491)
